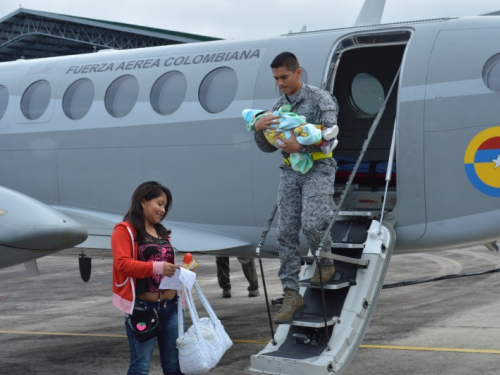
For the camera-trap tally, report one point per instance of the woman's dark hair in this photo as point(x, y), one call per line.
point(135, 215)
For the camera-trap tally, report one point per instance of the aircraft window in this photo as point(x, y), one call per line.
point(491, 73)
point(218, 89)
point(35, 100)
point(367, 94)
point(78, 98)
point(121, 96)
point(168, 93)
point(4, 100)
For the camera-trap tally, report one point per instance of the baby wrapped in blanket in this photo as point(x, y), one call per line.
point(306, 134)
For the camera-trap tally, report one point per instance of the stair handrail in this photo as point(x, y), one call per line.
point(388, 175)
point(336, 210)
point(259, 246)
point(366, 143)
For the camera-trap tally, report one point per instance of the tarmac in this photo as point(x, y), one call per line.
point(55, 323)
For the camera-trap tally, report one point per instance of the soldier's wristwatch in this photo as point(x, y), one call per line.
point(302, 149)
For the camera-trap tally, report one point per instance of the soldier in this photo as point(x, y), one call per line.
point(303, 199)
point(248, 267)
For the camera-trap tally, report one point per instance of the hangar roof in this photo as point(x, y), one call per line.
point(29, 34)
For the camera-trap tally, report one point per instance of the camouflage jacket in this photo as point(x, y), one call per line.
point(318, 106)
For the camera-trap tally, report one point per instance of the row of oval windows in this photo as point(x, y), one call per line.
point(216, 93)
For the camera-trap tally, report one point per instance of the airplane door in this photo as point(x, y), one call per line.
point(364, 67)
point(368, 62)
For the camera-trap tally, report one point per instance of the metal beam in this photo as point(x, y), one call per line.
point(59, 35)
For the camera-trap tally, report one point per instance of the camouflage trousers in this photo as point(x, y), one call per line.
point(248, 266)
point(304, 200)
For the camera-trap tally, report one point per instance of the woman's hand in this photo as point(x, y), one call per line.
point(169, 269)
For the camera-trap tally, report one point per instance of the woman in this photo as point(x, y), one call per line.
point(142, 256)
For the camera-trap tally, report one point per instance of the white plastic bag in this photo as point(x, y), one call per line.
point(205, 342)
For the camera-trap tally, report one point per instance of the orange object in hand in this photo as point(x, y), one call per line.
point(189, 262)
point(188, 257)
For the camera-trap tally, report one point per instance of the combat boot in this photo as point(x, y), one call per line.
point(327, 273)
point(293, 305)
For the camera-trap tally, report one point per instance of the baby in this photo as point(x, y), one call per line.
point(307, 134)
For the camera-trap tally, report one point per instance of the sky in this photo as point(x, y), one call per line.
point(251, 19)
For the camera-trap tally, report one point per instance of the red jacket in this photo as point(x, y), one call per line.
point(126, 267)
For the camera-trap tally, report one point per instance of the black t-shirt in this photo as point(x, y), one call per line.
point(153, 249)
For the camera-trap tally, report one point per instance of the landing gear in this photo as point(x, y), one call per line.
point(85, 265)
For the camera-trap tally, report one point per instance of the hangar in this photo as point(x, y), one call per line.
point(28, 34)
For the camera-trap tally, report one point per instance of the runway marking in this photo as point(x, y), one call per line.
point(427, 349)
point(61, 334)
point(387, 347)
point(103, 335)
point(250, 342)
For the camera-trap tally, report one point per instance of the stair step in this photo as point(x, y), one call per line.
point(352, 231)
point(314, 320)
point(371, 213)
point(301, 343)
point(348, 245)
point(345, 273)
point(336, 284)
point(360, 262)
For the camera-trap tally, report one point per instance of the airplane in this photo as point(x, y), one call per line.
point(85, 130)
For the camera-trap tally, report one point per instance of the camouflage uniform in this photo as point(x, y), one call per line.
point(304, 199)
point(248, 267)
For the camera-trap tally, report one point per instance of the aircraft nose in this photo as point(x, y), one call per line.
point(30, 224)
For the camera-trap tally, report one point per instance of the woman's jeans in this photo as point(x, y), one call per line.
point(141, 353)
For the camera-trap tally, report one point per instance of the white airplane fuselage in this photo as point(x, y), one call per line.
point(220, 180)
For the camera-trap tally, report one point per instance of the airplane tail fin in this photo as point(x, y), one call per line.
point(497, 13)
point(371, 13)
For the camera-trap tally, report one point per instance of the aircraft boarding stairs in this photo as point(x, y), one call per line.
point(324, 339)
point(327, 335)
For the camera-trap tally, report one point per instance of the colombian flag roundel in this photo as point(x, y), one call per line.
point(482, 162)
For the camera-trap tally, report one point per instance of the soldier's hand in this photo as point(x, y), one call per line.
point(265, 122)
point(290, 145)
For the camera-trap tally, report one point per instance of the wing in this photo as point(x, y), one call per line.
point(100, 225)
point(30, 229)
point(186, 237)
